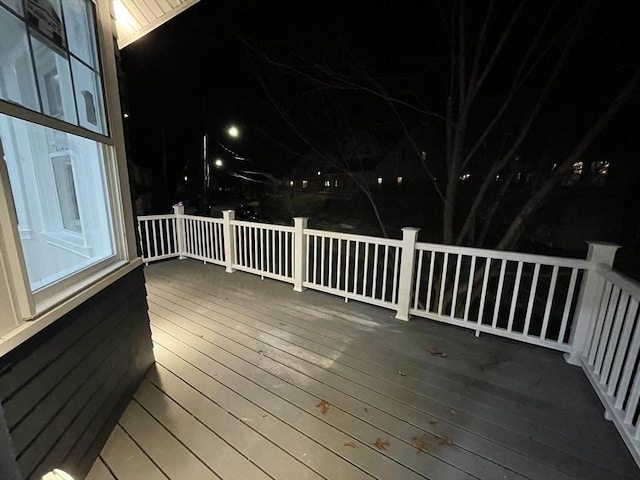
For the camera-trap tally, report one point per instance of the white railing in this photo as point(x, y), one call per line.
point(263, 249)
point(158, 237)
point(581, 307)
point(531, 298)
point(203, 238)
point(611, 355)
point(353, 266)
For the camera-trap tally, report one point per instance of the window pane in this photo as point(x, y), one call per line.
point(15, 5)
point(54, 79)
point(88, 97)
point(58, 182)
point(17, 82)
point(78, 18)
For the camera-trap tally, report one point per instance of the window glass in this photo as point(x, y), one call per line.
point(54, 78)
point(17, 82)
point(78, 19)
point(88, 97)
point(45, 17)
point(59, 185)
point(15, 5)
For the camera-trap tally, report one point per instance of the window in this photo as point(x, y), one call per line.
point(379, 180)
point(399, 181)
point(304, 184)
point(66, 83)
point(60, 190)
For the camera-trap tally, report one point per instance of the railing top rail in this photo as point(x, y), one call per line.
point(503, 255)
point(203, 219)
point(629, 285)
point(265, 226)
point(155, 217)
point(354, 237)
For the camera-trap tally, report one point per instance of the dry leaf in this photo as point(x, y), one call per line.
point(433, 422)
point(366, 410)
point(452, 411)
point(381, 444)
point(401, 373)
point(436, 353)
point(445, 440)
point(324, 406)
point(420, 443)
point(350, 444)
point(199, 335)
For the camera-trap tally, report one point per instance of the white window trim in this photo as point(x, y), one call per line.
point(23, 316)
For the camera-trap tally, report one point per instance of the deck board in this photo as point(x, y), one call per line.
point(242, 364)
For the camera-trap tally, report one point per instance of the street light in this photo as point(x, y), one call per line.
point(233, 131)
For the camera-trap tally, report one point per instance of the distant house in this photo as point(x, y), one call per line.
point(337, 169)
point(404, 165)
point(74, 329)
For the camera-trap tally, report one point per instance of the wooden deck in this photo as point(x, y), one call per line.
point(243, 365)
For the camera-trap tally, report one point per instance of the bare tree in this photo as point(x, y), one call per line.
point(505, 61)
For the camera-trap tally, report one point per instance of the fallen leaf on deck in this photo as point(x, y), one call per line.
point(452, 411)
point(260, 352)
point(381, 444)
point(365, 409)
point(350, 444)
point(433, 422)
point(420, 443)
point(324, 406)
point(401, 373)
point(445, 440)
point(436, 353)
point(199, 335)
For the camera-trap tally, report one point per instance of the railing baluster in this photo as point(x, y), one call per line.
point(365, 268)
point(443, 282)
point(346, 266)
point(161, 223)
point(322, 260)
point(374, 286)
point(394, 296)
point(567, 305)
point(532, 296)
point(514, 297)
point(287, 260)
point(483, 293)
point(625, 339)
point(355, 266)
point(272, 236)
point(596, 331)
point(606, 329)
point(384, 273)
point(339, 266)
point(456, 283)
point(472, 273)
point(155, 238)
point(615, 336)
point(330, 284)
point(430, 284)
point(416, 291)
point(496, 307)
point(547, 308)
point(631, 408)
point(149, 253)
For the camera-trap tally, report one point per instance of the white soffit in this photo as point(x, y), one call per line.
point(136, 18)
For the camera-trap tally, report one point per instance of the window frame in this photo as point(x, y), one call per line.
point(29, 311)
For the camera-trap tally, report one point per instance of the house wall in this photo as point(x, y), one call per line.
point(62, 391)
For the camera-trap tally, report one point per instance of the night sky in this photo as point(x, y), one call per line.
point(197, 73)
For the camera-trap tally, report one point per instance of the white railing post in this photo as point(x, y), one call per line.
point(299, 252)
point(229, 239)
point(407, 273)
point(178, 211)
point(599, 254)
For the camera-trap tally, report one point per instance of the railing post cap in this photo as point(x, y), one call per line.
point(602, 252)
point(410, 229)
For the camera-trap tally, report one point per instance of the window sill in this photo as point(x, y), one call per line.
point(57, 306)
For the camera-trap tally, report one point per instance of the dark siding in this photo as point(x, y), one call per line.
point(63, 390)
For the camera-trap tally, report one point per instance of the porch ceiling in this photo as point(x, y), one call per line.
point(243, 365)
point(136, 18)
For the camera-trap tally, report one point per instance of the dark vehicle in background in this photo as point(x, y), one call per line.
point(251, 213)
